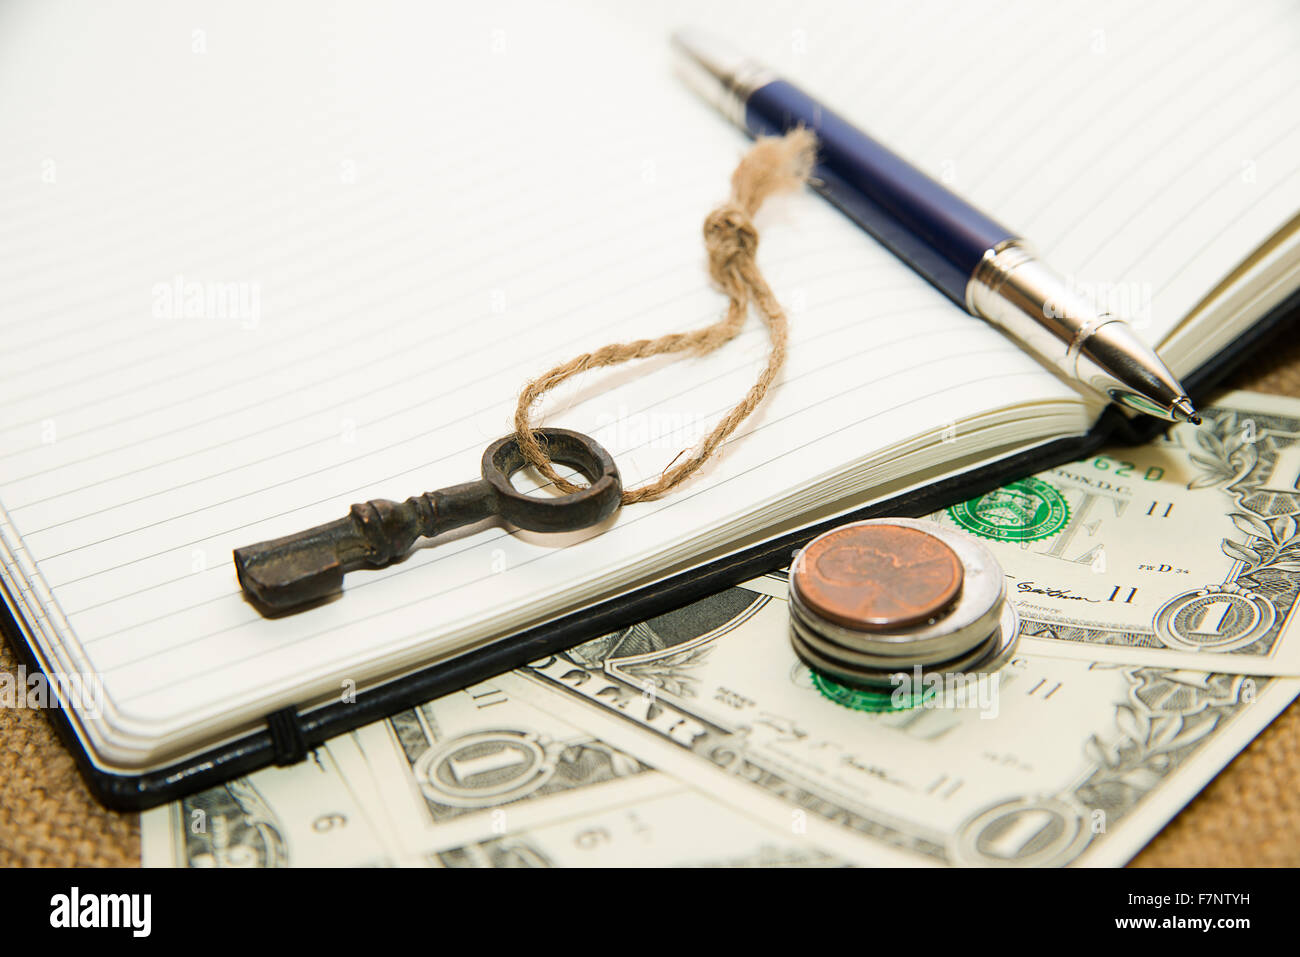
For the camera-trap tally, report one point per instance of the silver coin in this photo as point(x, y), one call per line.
point(890, 664)
point(993, 654)
point(948, 638)
point(969, 622)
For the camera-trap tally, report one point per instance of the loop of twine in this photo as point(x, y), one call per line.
point(772, 165)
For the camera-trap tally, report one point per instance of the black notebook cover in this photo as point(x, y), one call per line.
point(289, 737)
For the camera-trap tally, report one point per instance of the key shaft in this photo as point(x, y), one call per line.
point(309, 565)
point(298, 569)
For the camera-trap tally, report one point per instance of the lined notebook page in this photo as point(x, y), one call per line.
point(412, 216)
point(1144, 150)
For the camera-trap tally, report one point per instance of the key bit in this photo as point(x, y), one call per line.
point(288, 572)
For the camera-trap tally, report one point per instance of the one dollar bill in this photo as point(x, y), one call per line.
point(1183, 553)
point(1047, 762)
point(472, 779)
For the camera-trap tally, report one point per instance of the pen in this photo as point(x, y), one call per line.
point(980, 265)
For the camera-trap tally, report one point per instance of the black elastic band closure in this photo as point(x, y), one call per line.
point(287, 744)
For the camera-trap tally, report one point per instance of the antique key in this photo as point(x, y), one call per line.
point(286, 572)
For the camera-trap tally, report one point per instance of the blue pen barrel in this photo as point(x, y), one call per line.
point(920, 221)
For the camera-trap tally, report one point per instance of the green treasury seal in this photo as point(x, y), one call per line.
point(860, 699)
point(1023, 511)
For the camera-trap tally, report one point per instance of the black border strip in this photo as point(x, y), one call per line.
point(138, 792)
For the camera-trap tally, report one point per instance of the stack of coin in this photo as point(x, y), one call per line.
point(872, 599)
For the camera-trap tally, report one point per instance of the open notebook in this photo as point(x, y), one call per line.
point(264, 261)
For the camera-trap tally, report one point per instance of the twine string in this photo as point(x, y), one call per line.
point(773, 165)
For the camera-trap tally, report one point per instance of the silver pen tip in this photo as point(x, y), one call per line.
point(705, 48)
point(1185, 411)
point(717, 72)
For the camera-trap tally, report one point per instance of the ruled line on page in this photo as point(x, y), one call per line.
point(278, 424)
point(424, 371)
point(513, 209)
point(331, 349)
point(105, 227)
point(484, 173)
point(226, 594)
point(1090, 121)
point(663, 506)
point(1246, 119)
point(423, 404)
point(461, 452)
point(974, 108)
point(1046, 100)
point(1169, 227)
point(952, 112)
point(438, 555)
point(947, 101)
point(1293, 174)
point(1036, 374)
point(1268, 192)
point(1064, 207)
point(402, 443)
point(303, 316)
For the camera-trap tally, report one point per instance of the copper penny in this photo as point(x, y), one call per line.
point(877, 577)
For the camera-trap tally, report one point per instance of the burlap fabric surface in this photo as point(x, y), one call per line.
point(1249, 815)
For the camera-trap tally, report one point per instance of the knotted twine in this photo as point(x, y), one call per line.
point(773, 165)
